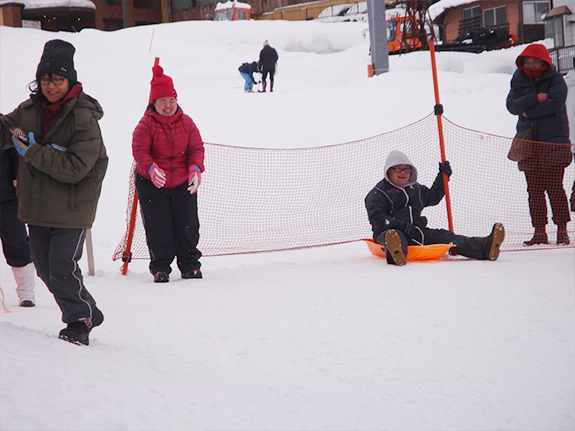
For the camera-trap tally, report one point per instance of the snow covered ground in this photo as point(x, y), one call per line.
point(325, 339)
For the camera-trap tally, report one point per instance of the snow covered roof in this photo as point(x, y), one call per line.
point(441, 6)
point(232, 3)
point(46, 4)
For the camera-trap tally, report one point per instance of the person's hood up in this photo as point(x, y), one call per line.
point(535, 50)
point(398, 158)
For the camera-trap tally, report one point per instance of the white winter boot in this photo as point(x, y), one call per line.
point(25, 281)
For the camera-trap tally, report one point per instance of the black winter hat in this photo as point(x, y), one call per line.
point(58, 58)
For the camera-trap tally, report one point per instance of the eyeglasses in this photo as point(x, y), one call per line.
point(401, 170)
point(57, 81)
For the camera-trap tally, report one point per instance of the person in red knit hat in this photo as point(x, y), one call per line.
point(537, 96)
point(169, 155)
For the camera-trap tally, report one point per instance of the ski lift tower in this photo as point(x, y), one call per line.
point(377, 37)
point(417, 25)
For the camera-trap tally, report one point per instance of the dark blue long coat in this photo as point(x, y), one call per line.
point(550, 117)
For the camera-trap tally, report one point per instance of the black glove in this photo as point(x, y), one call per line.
point(445, 168)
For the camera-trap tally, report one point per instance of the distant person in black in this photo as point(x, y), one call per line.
point(268, 59)
point(247, 71)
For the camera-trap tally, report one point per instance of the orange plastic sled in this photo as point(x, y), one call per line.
point(414, 252)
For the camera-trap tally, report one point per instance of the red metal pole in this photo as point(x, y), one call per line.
point(438, 112)
point(132, 223)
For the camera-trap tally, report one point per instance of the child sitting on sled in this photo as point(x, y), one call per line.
point(394, 208)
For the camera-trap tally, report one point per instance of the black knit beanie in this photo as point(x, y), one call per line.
point(58, 58)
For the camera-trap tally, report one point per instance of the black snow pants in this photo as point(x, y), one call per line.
point(56, 253)
point(472, 247)
point(271, 73)
point(13, 235)
point(172, 226)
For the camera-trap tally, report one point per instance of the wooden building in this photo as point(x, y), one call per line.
point(108, 15)
point(523, 19)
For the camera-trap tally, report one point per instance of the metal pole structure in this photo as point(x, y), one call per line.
point(127, 255)
point(378, 36)
point(125, 13)
point(90, 253)
point(438, 111)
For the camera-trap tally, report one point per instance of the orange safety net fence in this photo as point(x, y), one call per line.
point(255, 200)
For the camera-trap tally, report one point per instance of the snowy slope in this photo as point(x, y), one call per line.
point(324, 339)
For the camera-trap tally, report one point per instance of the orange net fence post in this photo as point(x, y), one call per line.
point(127, 252)
point(256, 200)
point(438, 113)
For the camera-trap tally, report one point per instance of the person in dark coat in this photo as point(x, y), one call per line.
point(268, 60)
point(537, 96)
point(394, 209)
point(13, 232)
point(247, 71)
point(61, 169)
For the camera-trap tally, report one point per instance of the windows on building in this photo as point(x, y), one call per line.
point(471, 13)
point(554, 30)
point(496, 17)
point(471, 20)
point(534, 11)
point(180, 5)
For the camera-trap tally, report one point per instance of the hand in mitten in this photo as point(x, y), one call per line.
point(157, 175)
point(21, 142)
point(445, 168)
point(195, 179)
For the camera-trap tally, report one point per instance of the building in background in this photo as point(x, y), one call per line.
point(109, 15)
point(560, 32)
point(520, 18)
point(53, 15)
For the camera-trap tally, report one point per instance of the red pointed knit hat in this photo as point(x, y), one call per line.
point(162, 85)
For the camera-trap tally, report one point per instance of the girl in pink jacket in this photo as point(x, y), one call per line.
point(169, 154)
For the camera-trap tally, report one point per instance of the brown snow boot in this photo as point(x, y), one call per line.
point(492, 243)
point(539, 237)
point(394, 249)
point(562, 236)
point(264, 86)
point(271, 87)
